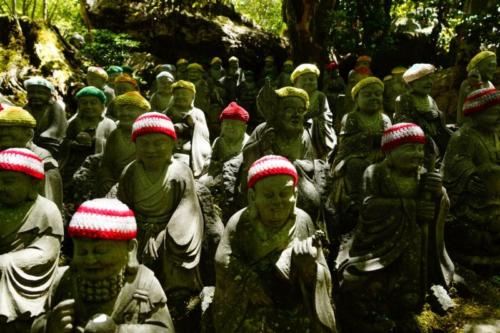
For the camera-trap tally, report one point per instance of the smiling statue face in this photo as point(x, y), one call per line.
point(154, 150)
point(123, 87)
point(38, 96)
point(422, 86)
point(90, 107)
point(183, 97)
point(15, 188)
point(308, 82)
point(127, 114)
point(291, 114)
point(15, 136)
point(232, 130)
point(369, 98)
point(164, 84)
point(407, 157)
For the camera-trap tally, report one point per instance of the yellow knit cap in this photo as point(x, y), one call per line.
point(16, 116)
point(132, 98)
point(293, 92)
point(184, 84)
point(181, 61)
point(365, 82)
point(125, 78)
point(398, 70)
point(478, 58)
point(216, 60)
point(196, 66)
point(304, 69)
point(288, 62)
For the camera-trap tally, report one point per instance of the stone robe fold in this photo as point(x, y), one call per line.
point(321, 129)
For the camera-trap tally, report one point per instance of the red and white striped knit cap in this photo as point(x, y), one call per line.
point(271, 165)
point(480, 100)
point(22, 160)
point(153, 122)
point(402, 133)
point(103, 219)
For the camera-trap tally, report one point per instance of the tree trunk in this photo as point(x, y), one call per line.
point(44, 10)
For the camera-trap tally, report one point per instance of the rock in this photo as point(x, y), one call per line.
point(439, 299)
point(492, 326)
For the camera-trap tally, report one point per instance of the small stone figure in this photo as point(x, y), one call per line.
point(361, 70)
point(122, 84)
point(471, 170)
point(162, 98)
point(271, 274)
point(105, 289)
point(113, 72)
point(98, 77)
point(319, 117)
point(397, 250)
point(394, 86)
point(269, 71)
point(247, 94)
point(195, 73)
point(334, 89)
point(485, 62)
point(193, 140)
point(284, 78)
point(216, 71)
point(418, 107)
point(30, 240)
point(233, 78)
point(181, 69)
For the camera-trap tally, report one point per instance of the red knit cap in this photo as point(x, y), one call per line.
point(402, 133)
point(22, 160)
point(235, 112)
point(103, 219)
point(481, 100)
point(332, 66)
point(271, 165)
point(153, 122)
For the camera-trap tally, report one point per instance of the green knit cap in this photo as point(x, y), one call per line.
point(114, 70)
point(92, 91)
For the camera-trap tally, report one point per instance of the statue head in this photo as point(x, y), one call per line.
point(474, 78)
point(129, 106)
point(181, 65)
point(97, 77)
point(485, 62)
point(249, 76)
point(234, 120)
point(288, 66)
point(195, 72)
point(17, 127)
point(39, 91)
point(124, 83)
point(363, 61)
point(368, 95)
point(91, 102)
point(21, 171)
point(216, 64)
point(483, 108)
point(184, 93)
point(272, 190)
point(420, 78)
point(293, 104)
point(105, 249)
point(269, 61)
point(305, 76)
point(233, 65)
point(164, 81)
point(403, 145)
point(154, 137)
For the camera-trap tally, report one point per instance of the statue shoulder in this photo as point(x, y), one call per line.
point(148, 286)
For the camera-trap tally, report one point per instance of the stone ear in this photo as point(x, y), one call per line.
point(252, 210)
point(133, 262)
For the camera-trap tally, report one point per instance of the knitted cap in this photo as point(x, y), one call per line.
point(184, 84)
point(417, 71)
point(271, 165)
point(293, 92)
point(125, 78)
point(288, 62)
point(22, 160)
point(167, 75)
point(402, 133)
point(153, 122)
point(332, 66)
point(16, 116)
point(478, 58)
point(364, 58)
point(366, 82)
point(304, 69)
point(92, 91)
point(98, 71)
point(103, 219)
point(40, 82)
point(398, 70)
point(235, 112)
point(195, 66)
point(181, 61)
point(132, 98)
point(233, 58)
point(216, 60)
point(114, 70)
point(269, 58)
point(479, 100)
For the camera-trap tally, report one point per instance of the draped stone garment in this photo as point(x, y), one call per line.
point(321, 129)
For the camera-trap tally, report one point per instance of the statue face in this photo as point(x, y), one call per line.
point(407, 157)
point(127, 114)
point(98, 259)
point(422, 86)
point(487, 68)
point(488, 119)
point(15, 136)
point(291, 114)
point(163, 84)
point(123, 87)
point(274, 199)
point(369, 98)
point(95, 80)
point(288, 68)
point(182, 68)
point(194, 75)
point(16, 188)
point(216, 67)
point(232, 130)
point(38, 96)
point(90, 107)
point(233, 67)
point(183, 97)
point(308, 82)
point(154, 150)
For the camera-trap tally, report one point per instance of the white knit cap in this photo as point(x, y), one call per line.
point(103, 219)
point(153, 122)
point(417, 71)
point(271, 165)
point(402, 133)
point(22, 160)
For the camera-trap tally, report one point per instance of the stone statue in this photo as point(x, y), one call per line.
point(161, 191)
point(193, 142)
point(49, 114)
point(359, 146)
point(397, 251)
point(181, 69)
point(122, 84)
point(471, 171)
point(233, 78)
point(485, 62)
point(394, 86)
point(334, 89)
point(319, 119)
point(417, 106)
point(17, 128)
point(195, 73)
point(284, 79)
point(247, 94)
point(216, 71)
point(98, 77)
point(30, 240)
point(120, 150)
point(162, 97)
point(105, 289)
point(361, 70)
point(269, 71)
point(271, 274)
point(113, 71)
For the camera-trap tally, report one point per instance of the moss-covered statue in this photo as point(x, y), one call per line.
point(485, 63)
point(193, 141)
point(216, 71)
point(233, 78)
point(120, 150)
point(196, 74)
point(49, 114)
point(247, 94)
point(181, 69)
point(104, 290)
point(162, 97)
point(269, 71)
point(161, 191)
point(113, 71)
point(361, 70)
point(334, 88)
point(284, 78)
point(359, 146)
point(397, 251)
point(98, 77)
point(319, 117)
point(394, 86)
point(271, 275)
point(17, 128)
point(417, 106)
point(30, 240)
point(471, 170)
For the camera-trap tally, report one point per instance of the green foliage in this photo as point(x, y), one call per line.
point(109, 48)
point(266, 13)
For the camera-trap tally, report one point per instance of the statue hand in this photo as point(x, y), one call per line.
point(425, 210)
point(304, 255)
point(433, 183)
point(150, 249)
point(476, 186)
point(61, 318)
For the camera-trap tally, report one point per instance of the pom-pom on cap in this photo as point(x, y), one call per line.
point(235, 112)
point(480, 100)
point(402, 133)
point(153, 122)
point(16, 116)
point(22, 160)
point(271, 165)
point(103, 219)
